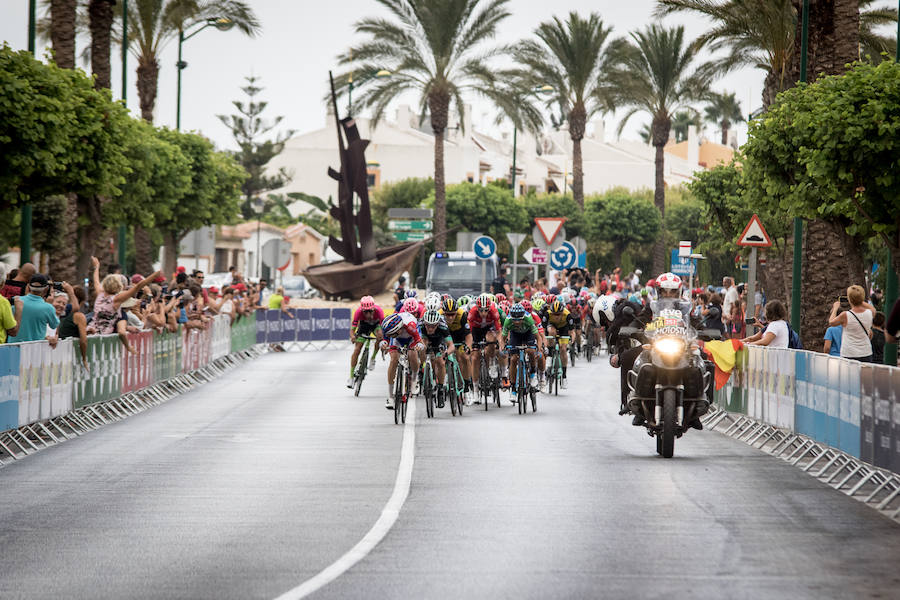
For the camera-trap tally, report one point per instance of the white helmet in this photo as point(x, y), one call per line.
point(669, 281)
point(605, 305)
point(433, 302)
point(432, 317)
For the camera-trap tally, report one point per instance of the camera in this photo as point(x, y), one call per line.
point(845, 303)
point(57, 286)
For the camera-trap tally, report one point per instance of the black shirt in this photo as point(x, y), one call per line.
point(892, 326)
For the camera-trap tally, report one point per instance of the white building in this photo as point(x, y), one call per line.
point(401, 148)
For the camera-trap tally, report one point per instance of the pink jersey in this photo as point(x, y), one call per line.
point(376, 316)
point(420, 311)
point(486, 320)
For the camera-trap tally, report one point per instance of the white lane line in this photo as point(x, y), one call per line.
point(389, 515)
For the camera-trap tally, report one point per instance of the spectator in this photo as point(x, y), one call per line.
point(737, 328)
point(74, 323)
point(776, 333)
point(856, 340)
point(15, 285)
point(8, 323)
point(230, 279)
point(33, 313)
point(712, 314)
point(731, 296)
point(499, 285)
point(108, 318)
point(833, 337)
point(114, 269)
point(878, 338)
point(226, 305)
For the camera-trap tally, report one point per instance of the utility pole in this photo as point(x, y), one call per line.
point(25, 227)
point(798, 223)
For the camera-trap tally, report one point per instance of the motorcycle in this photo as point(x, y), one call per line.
point(670, 383)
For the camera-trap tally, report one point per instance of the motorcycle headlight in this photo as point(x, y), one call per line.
point(669, 347)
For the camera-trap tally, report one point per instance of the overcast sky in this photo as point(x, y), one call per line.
point(298, 45)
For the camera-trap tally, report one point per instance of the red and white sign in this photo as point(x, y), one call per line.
point(755, 234)
point(684, 248)
point(549, 227)
point(535, 256)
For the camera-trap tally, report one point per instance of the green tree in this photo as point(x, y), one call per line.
point(573, 57)
point(657, 76)
point(723, 110)
point(248, 127)
point(405, 193)
point(556, 205)
point(621, 218)
point(434, 48)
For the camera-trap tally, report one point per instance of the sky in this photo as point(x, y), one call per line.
point(299, 42)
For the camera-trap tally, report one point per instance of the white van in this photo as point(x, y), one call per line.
point(459, 273)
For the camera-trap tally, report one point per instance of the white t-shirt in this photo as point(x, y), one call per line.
point(731, 296)
point(855, 341)
point(782, 337)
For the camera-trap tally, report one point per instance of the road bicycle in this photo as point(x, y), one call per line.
point(488, 387)
point(432, 391)
point(456, 386)
point(588, 344)
point(402, 387)
point(524, 389)
point(362, 365)
point(554, 366)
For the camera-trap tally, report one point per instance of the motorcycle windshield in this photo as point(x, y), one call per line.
point(671, 317)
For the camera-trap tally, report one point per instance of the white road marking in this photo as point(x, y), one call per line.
point(389, 515)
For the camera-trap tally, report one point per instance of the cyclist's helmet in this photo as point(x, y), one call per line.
point(504, 306)
point(392, 324)
point(538, 304)
point(450, 306)
point(603, 286)
point(411, 294)
point(526, 305)
point(464, 300)
point(517, 312)
point(433, 303)
point(584, 294)
point(367, 303)
point(669, 281)
point(410, 305)
point(445, 297)
point(485, 301)
point(537, 295)
point(606, 306)
point(550, 299)
point(557, 306)
point(500, 297)
point(432, 317)
point(651, 283)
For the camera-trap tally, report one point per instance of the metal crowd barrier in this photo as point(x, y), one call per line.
point(837, 419)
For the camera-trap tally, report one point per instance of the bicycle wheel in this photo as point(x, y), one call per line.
point(361, 370)
point(521, 399)
point(405, 400)
point(484, 386)
point(398, 395)
point(428, 390)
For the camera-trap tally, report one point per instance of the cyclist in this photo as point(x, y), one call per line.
point(558, 322)
point(574, 309)
point(366, 321)
point(401, 333)
point(484, 321)
point(541, 341)
point(519, 330)
point(413, 307)
point(437, 339)
point(457, 321)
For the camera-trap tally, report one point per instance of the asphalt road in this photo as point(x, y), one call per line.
point(254, 483)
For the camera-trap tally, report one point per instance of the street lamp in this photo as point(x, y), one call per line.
point(382, 74)
point(542, 90)
point(220, 23)
point(258, 205)
point(25, 210)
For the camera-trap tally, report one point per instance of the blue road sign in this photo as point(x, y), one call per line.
point(681, 265)
point(484, 247)
point(563, 257)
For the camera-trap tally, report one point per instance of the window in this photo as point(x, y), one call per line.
point(373, 177)
point(370, 180)
point(312, 259)
point(470, 177)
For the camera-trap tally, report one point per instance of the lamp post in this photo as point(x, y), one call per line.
point(381, 74)
point(890, 286)
point(258, 206)
point(798, 223)
point(25, 211)
point(123, 233)
point(220, 23)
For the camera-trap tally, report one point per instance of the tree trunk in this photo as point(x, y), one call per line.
point(439, 105)
point(659, 131)
point(170, 260)
point(725, 126)
point(62, 32)
point(101, 15)
point(147, 80)
point(577, 123)
point(825, 277)
point(63, 264)
point(143, 251)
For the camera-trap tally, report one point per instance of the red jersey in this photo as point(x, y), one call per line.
point(490, 319)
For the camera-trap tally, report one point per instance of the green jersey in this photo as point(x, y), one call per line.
point(526, 325)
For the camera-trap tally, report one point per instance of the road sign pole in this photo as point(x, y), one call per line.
point(751, 289)
point(483, 275)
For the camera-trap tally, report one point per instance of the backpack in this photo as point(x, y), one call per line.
point(793, 338)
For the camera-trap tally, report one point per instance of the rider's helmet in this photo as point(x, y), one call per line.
point(493, 298)
point(432, 317)
point(606, 306)
point(411, 293)
point(367, 303)
point(444, 297)
point(464, 301)
point(526, 305)
point(557, 306)
point(500, 297)
point(504, 306)
point(518, 294)
point(485, 301)
point(433, 302)
point(392, 324)
point(449, 305)
point(517, 312)
point(410, 305)
point(670, 282)
point(550, 299)
point(537, 295)
point(538, 304)
point(584, 294)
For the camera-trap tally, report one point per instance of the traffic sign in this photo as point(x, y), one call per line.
point(410, 225)
point(563, 257)
point(684, 248)
point(410, 236)
point(535, 256)
point(409, 213)
point(539, 241)
point(683, 266)
point(484, 247)
point(755, 234)
point(549, 227)
point(515, 240)
point(580, 244)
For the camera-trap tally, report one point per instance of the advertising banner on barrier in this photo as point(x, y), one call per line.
point(849, 425)
point(321, 324)
point(9, 386)
point(30, 365)
point(137, 368)
point(221, 336)
point(884, 401)
point(274, 319)
point(895, 432)
point(56, 388)
point(261, 326)
point(289, 326)
point(340, 324)
point(304, 325)
point(867, 413)
point(243, 333)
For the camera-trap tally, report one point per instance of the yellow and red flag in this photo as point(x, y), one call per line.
point(724, 354)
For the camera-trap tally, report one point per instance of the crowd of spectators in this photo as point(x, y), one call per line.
point(33, 307)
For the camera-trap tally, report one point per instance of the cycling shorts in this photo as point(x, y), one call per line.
point(459, 336)
point(397, 343)
point(479, 333)
point(366, 328)
point(562, 332)
point(523, 338)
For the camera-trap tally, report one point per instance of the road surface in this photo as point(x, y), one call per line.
point(253, 484)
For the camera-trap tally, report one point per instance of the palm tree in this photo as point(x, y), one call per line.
point(434, 48)
point(101, 15)
point(657, 76)
point(724, 110)
point(154, 23)
point(682, 121)
point(573, 57)
point(872, 43)
point(62, 32)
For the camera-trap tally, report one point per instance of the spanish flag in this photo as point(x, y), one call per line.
point(724, 354)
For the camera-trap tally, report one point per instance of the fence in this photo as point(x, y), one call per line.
point(845, 404)
point(303, 326)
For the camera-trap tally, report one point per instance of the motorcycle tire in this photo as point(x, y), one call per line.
point(668, 424)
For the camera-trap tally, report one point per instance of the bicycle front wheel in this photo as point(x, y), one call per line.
point(398, 395)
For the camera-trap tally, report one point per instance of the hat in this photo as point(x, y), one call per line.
point(38, 282)
point(129, 303)
point(180, 270)
point(137, 278)
point(638, 272)
point(159, 279)
point(212, 290)
point(240, 287)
